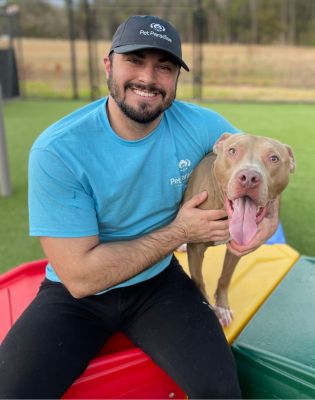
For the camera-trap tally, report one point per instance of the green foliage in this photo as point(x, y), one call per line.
point(292, 124)
point(228, 21)
point(39, 18)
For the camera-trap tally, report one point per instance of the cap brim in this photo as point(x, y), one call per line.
point(133, 47)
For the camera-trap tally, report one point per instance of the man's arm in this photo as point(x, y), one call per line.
point(266, 229)
point(87, 267)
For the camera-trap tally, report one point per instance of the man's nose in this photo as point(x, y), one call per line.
point(147, 74)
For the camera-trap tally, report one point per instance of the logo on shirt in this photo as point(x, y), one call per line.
point(184, 164)
point(185, 172)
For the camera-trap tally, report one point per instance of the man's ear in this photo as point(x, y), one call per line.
point(219, 142)
point(107, 65)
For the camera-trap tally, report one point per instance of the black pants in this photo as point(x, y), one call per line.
point(53, 341)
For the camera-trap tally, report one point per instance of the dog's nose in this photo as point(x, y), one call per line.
point(249, 178)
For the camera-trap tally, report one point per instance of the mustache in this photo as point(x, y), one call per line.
point(147, 88)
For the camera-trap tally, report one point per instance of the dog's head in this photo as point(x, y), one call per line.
point(252, 171)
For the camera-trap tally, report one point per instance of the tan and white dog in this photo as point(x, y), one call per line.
point(244, 174)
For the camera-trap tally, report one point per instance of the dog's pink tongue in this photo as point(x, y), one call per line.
point(243, 225)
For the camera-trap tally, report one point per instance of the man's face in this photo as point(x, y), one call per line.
point(142, 83)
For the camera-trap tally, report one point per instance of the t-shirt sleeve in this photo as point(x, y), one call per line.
point(217, 125)
point(59, 205)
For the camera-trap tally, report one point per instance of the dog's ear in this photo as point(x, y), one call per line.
point(220, 141)
point(292, 158)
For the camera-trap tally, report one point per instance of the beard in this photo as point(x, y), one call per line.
point(144, 113)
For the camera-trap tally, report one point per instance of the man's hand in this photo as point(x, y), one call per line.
point(201, 225)
point(265, 230)
point(87, 266)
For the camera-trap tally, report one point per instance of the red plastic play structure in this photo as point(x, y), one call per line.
point(120, 370)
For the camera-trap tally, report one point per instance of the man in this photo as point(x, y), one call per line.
point(105, 187)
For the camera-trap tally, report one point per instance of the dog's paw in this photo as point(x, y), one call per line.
point(224, 314)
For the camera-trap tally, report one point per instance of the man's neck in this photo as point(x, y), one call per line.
point(124, 126)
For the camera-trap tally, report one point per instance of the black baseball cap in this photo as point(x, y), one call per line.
point(148, 32)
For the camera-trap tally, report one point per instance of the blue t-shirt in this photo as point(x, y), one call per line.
point(86, 180)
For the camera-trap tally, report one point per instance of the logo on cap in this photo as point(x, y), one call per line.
point(157, 27)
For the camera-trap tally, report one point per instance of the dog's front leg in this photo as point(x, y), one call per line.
point(196, 253)
point(222, 307)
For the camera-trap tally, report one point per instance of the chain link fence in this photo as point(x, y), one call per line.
point(68, 61)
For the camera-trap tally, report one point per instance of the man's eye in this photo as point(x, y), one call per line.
point(165, 67)
point(133, 60)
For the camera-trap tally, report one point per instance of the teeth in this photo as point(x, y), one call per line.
point(143, 94)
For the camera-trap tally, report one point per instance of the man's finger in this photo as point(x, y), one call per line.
point(196, 200)
point(215, 215)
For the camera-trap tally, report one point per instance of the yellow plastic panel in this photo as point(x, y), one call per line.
point(255, 277)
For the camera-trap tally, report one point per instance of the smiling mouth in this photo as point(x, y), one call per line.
point(147, 93)
point(143, 93)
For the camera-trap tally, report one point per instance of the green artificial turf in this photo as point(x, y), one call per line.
point(292, 124)
point(24, 121)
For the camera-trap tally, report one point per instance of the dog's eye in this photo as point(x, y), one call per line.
point(232, 151)
point(274, 158)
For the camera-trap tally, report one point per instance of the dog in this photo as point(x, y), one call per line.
point(244, 174)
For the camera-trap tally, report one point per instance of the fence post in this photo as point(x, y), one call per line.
point(197, 51)
point(72, 37)
point(92, 50)
point(5, 182)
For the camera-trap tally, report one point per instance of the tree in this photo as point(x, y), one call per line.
point(38, 18)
